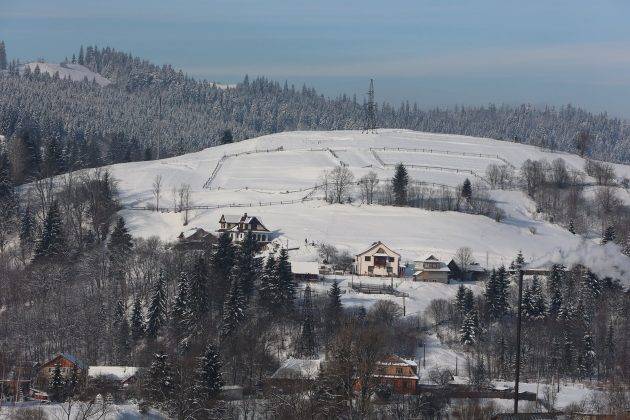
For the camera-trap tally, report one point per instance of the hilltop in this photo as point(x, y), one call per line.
point(273, 177)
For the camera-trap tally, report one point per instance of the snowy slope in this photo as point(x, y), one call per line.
point(74, 72)
point(253, 173)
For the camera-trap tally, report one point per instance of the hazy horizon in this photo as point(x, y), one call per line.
point(429, 52)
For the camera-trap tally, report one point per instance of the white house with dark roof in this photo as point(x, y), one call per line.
point(238, 226)
point(431, 269)
point(377, 260)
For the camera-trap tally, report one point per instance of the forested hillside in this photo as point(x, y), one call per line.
point(81, 124)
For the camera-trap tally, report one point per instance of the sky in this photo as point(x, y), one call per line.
point(433, 52)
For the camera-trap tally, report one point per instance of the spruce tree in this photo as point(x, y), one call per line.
point(400, 184)
point(497, 289)
point(226, 137)
point(334, 308)
point(555, 282)
point(469, 300)
point(179, 314)
point(233, 310)
point(459, 298)
point(221, 263)
point(157, 307)
point(268, 291)
point(81, 58)
point(467, 332)
point(286, 292)
point(52, 242)
point(538, 304)
point(208, 377)
point(120, 241)
point(609, 235)
point(137, 321)
point(466, 190)
point(3, 56)
point(199, 299)
point(53, 159)
point(247, 265)
point(162, 381)
point(123, 339)
point(57, 385)
point(27, 231)
point(306, 345)
point(588, 356)
point(571, 227)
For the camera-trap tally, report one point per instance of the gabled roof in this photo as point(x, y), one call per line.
point(69, 357)
point(376, 244)
point(298, 369)
point(118, 373)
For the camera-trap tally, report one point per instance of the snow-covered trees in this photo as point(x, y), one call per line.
point(497, 293)
point(367, 184)
point(52, 242)
point(306, 345)
point(208, 377)
point(233, 310)
point(157, 307)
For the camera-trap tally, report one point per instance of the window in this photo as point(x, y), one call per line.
point(390, 259)
point(399, 371)
point(368, 258)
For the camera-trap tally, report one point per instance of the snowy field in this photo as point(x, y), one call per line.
point(82, 411)
point(260, 175)
point(74, 72)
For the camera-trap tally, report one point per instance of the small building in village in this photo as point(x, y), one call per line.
point(121, 376)
point(294, 375)
point(473, 272)
point(305, 270)
point(195, 239)
point(377, 260)
point(431, 269)
point(400, 374)
point(68, 365)
point(238, 226)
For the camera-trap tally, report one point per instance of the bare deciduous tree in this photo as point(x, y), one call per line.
point(341, 180)
point(185, 202)
point(368, 185)
point(157, 191)
point(464, 259)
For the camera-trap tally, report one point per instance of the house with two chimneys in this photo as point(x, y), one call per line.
point(238, 226)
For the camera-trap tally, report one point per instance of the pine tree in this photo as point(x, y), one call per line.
point(609, 235)
point(247, 265)
point(306, 345)
point(199, 299)
point(161, 384)
point(334, 308)
point(57, 385)
point(268, 291)
point(123, 341)
point(137, 321)
point(519, 262)
point(27, 231)
point(466, 190)
point(52, 243)
point(81, 58)
point(3, 56)
point(592, 284)
point(286, 286)
point(208, 377)
point(120, 241)
point(469, 301)
point(179, 314)
point(497, 289)
point(233, 310)
point(53, 160)
point(587, 357)
point(157, 308)
point(571, 227)
point(221, 264)
point(72, 384)
point(226, 137)
point(400, 184)
point(467, 333)
point(8, 201)
point(555, 281)
point(459, 298)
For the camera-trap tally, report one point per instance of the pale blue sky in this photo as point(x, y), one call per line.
point(435, 52)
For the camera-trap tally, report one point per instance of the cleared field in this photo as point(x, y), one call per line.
point(476, 164)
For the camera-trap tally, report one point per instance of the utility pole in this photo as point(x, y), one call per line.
point(370, 111)
point(518, 338)
point(159, 139)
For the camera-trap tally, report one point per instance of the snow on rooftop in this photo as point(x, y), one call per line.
point(304, 267)
point(119, 373)
point(294, 368)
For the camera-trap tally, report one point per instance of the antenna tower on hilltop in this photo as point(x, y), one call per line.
point(370, 111)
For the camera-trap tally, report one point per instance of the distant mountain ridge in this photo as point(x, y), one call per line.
point(146, 106)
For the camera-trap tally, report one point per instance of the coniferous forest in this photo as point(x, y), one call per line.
point(81, 124)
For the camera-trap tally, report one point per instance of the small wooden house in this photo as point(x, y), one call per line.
point(238, 226)
point(399, 373)
point(195, 239)
point(377, 260)
point(305, 270)
point(122, 376)
point(431, 269)
point(67, 363)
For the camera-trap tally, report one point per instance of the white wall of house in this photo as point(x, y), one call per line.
point(379, 260)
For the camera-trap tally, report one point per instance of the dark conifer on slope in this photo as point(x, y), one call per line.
point(157, 307)
point(137, 321)
point(286, 286)
point(57, 385)
point(221, 264)
point(306, 345)
point(52, 243)
point(208, 377)
point(199, 299)
point(120, 241)
point(233, 310)
point(334, 308)
point(27, 231)
point(162, 381)
point(400, 184)
point(269, 289)
point(180, 314)
point(247, 265)
point(555, 284)
point(467, 189)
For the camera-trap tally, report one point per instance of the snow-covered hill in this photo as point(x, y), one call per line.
point(280, 168)
point(75, 72)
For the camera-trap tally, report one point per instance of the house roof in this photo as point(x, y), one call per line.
point(374, 245)
point(191, 232)
point(298, 369)
point(304, 267)
point(118, 373)
point(69, 357)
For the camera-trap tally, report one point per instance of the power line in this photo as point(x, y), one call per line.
point(370, 111)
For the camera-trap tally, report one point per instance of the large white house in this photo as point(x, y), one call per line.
point(238, 226)
point(377, 260)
